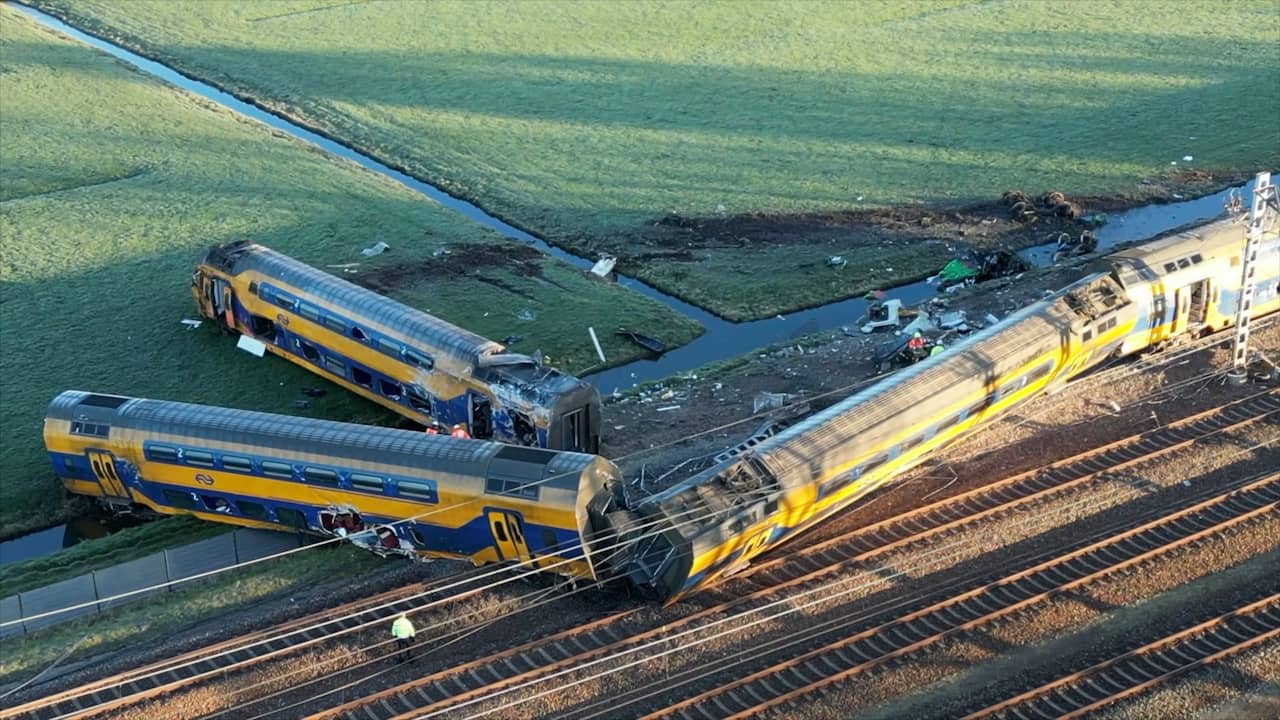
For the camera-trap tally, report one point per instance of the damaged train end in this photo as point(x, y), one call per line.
point(697, 531)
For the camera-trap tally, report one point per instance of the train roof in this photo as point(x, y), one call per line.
point(348, 441)
point(1167, 254)
point(466, 350)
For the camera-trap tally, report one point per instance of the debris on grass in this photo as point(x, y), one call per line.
point(375, 249)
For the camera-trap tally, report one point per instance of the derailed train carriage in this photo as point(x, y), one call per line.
point(714, 523)
point(564, 511)
point(419, 366)
point(480, 501)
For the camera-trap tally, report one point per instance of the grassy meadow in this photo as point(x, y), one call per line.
point(587, 121)
point(111, 184)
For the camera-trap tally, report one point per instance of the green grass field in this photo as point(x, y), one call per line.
point(587, 121)
point(112, 183)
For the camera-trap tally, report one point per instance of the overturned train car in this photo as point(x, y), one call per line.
point(417, 365)
point(393, 491)
point(715, 522)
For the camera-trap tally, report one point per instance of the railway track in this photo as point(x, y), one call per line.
point(156, 679)
point(865, 650)
point(561, 652)
point(1088, 690)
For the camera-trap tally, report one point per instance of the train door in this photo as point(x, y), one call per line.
point(1181, 304)
point(1199, 304)
point(573, 425)
point(217, 295)
point(508, 536)
point(104, 469)
point(480, 414)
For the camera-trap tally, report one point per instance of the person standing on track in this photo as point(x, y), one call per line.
point(460, 431)
point(403, 631)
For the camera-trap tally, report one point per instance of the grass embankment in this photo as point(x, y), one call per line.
point(588, 121)
point(150, 621)
point(111, 183)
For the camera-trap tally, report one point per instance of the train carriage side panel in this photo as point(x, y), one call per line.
point(278, 471)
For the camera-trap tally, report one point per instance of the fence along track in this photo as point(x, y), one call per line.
point(868, 649)
point(176, 673)
point(528, 661)
point(1139, 670)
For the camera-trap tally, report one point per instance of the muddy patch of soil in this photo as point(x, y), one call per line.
point(459, 261)
point(987, 226)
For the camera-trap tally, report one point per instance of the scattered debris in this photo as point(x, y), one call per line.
point(313, 391)
point(1072, 247)
point(301, 404)
point(884, 314)
point(651, 344)
point(526, 314)
point(375, 249)
point(604, 266)
point(440, 251)
point(252, 345)
point(192, 324)
point(1024, 210)
point(512, 339)
point(668, 407)
point(345, 267)
point(1187, 158)
point(768, 401)
point(836, 261)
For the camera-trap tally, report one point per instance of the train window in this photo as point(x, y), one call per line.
point(308, 350)
point(575, 429)
point(418, 399)
point(283, 301)
point(911, 442)
point(235, 463)
point(215, 503)
point(335, 324)
point(1170, 267)
point(1197, 258)
point(69, 466)
point(500, 530)
point(976, 408)
point(94, 429)
point(419, 490)
point(358, 334)
point(512, 486)
point(946, 424)
point(178, 499)
point(271, 468)
point(252, 510)
point(310, 312)
point(549, 543)
point(389, 347)
point(320, 476)
point(416, 358)
point(870, 465)
point(253, 287)
point(199, 458)
point(362, 481)
point(335, 366)
point(1184, 263)
point(162, 453)
point(1011, 387)
point(291, 517)
point(1040, 371)
point(390, 388)
point(771, 507)
point(1109, 324)
point(1088, 335)
point(361, 377)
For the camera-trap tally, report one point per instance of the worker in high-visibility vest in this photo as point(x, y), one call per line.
point(460, 431)
point(403, 631)
point(936, 350)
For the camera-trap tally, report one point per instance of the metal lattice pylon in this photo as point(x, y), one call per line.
point(1261, 213)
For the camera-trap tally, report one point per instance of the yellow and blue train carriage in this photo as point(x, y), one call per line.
point(417, 365)
point(716, 521)
point(483, 501)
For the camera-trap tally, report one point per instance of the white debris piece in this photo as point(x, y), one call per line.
point(668, 407)
point(192, 324)
point(768, 401)
point(1187, 158)
point(837, 261)
point(526, 314)
point(604, 265)
point(375, 249)
point(252, 345)
point(594, 341)
point(442, 250)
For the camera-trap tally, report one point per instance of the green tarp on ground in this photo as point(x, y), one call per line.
point(956, 270)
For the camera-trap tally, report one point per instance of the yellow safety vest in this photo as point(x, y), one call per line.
point(402, 628)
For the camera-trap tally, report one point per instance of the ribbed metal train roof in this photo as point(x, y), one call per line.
point(430, 333)
point(835, 427)
point(1200, 238)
